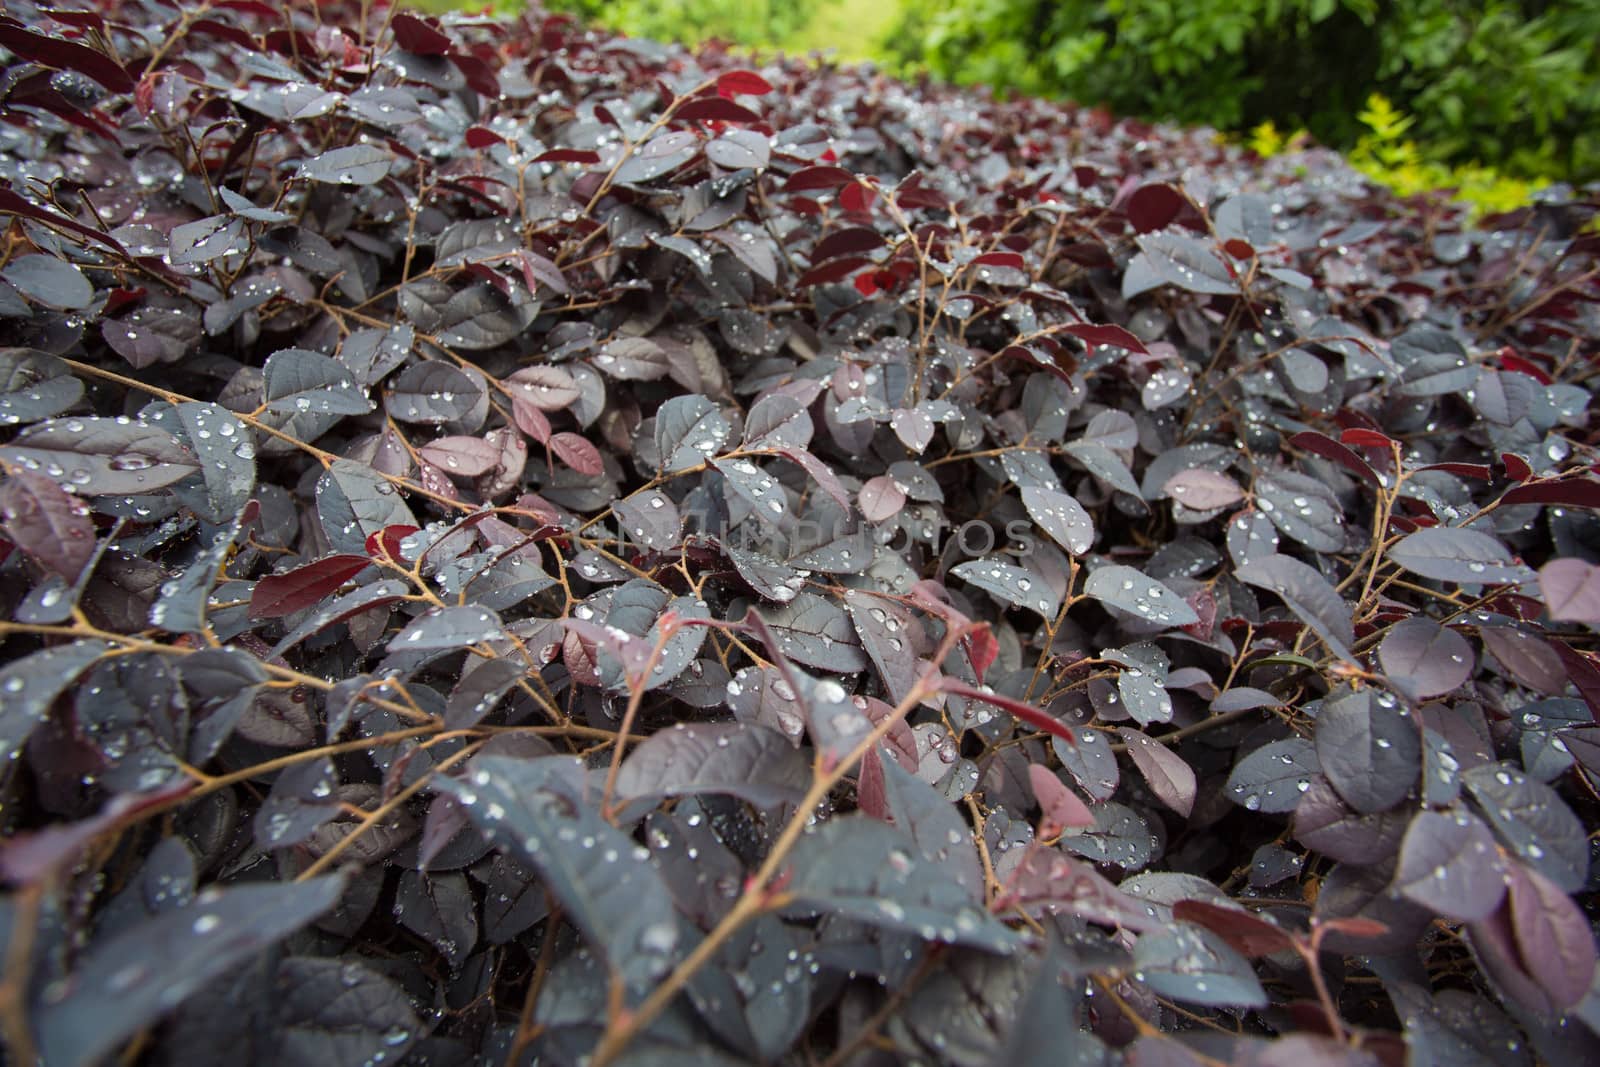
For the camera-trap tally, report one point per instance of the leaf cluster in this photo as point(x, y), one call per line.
point(523, 545)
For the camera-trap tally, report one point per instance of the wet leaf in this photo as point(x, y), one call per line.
point(1061, 517)
point(47, 523)
point(1138, 594)
point(1192, 964)
point(1010, 584)
point(1450, 554)
point(361, 164)
point(606, 884)
point(1368, 750)
point(1424, 659)
point(1168, 776)
point(1449, 863)
point(747, 761)
point(1274, 776)
point(1533, 820)
point(128, 982)
point(869, 871)
point(28, 686)
point(102, 456)
point(49, 281)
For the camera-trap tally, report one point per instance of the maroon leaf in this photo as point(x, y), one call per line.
point(1248, 934)
point(1029, 714)
point(1202, 489)
point(1153, 206)
point(1573, 492)
point(277, 595)
point(1553, 937)
point(832, 270)
point(1571, 590)
point(847, 241)
point(819, 177)
point(714, 109)
point(1061, 806)
point(1328, 448)
point(576, 452)
point(47, 523)
point(743, 82)
point(54, 51)
point(1115, 336)
point(881, 498)
point(464, 456)
point(419, 34)
point(568, 155)
point(1169, 777)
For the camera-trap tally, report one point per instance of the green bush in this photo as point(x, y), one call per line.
point(1511, 83)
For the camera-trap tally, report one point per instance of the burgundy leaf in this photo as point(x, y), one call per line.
point(881, 498)
point(47, 523)
point(1168, 776)
point(277, 595)
point(743, 82)
point(578, 453)
point(1249, 935)
point(714, 109)
point(1061, 806)
point(1571, 590)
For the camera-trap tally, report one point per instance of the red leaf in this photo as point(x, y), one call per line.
point(576, 452)
point(851, 239)
point(831, 271)
point(1366, 438)
point(1513, 362)
point(1000, 259)
point(1328, 448)
point(530, 420)
point(1573, 492)
point(866, 283)
point(869, 787)
point(1517, 468)
point(1115, 336)
point(1029, 714)
point(1153, 206)
point(714, 109)
point(385, 544)
point(746, 82)
point(817, 178)
point(482, 137)
point(67, 55)
point(568, 155)
point(47, 522)
point(858, 197)
point(880, 498)
point(1061, 806)
point(1250, 935)
point(419, 35)
point(278, 595)
point(982, 650)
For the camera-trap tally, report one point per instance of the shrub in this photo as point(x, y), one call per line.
point(523, 546)
point(1514, 84)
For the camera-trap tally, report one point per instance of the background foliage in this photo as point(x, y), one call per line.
point(1515, 83)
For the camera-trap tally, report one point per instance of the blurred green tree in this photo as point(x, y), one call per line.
point(1515, 83)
